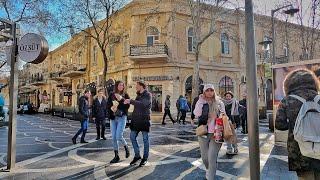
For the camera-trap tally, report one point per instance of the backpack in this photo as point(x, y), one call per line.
point(184, 105)
point(307, 127)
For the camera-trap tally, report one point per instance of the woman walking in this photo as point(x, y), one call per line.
point(232, 111)
point(208, 108)
point(118, 112)
point(302, 83)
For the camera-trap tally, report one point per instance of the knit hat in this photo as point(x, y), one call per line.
point(208, 86)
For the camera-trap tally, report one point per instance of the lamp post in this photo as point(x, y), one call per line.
point(291, 12)
point(251, 71)
point(11, 153)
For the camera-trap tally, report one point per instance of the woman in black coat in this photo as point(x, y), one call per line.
point(302, 83)
point(99, 113)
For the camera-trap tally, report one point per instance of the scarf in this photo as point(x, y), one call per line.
point(235, 106)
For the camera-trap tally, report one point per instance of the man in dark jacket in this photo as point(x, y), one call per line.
point(194, 102)
point(167, 105)
point(140, 121)
point(84, 113)
point(302, 83)
point(99, 113)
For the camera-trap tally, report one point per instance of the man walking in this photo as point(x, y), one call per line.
point(99, 113)
point(167, 105)
point(140, 122)
point(184, 108)
point(178, 108)
point(84, 113)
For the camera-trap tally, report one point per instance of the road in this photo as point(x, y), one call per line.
point(45, 151)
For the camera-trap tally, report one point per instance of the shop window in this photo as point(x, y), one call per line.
point(225, 84)
point(152, 36)
point(156, 91)
point(225, 44)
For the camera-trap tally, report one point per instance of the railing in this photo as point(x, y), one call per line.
point(56, 74)
point(77, 67)
point(141, 50)
point(282, 60)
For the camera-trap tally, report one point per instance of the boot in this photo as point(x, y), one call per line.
point(98, 133)
point(82, 137)
point(116, 158)
point(127, 151)
point(102, 133)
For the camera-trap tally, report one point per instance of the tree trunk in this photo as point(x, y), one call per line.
point(105, 70)
point(195, 78)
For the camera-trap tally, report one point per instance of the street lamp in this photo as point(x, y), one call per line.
point(8, 32)
point(290, 12)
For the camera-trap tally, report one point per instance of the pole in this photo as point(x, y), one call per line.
point(253, 119)
point(11, 158)
point(273, 39)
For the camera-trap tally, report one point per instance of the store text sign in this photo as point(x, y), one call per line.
point(33, 48)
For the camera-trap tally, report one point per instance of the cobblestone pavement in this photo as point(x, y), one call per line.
point(45, 151)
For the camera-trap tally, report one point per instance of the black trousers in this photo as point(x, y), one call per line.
point(183, 116)
point(178, 115)
point(236, 120)
point(101, 127)
point(244, 123)
point(167, 112)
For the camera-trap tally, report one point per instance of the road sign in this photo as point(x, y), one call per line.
point(33, 48)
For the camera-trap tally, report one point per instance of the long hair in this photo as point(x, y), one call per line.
point(116, 90)
point(214, 101)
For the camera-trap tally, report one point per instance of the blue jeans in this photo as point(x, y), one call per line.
point(83, 129)
point(133, 137)
point(117, 127)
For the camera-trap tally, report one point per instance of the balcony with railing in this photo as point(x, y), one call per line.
point(56, 76)
point(149, 52)
point(38, 80)
point(282, 59)
point(74, 70)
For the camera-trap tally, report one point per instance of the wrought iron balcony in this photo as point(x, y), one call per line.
point(74, 70)
point(56, 76)
point(282, 59)
point(145, 52)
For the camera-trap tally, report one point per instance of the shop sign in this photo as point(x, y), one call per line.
point(33, 48)
point(153, 78)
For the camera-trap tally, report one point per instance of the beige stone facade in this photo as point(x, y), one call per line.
point(155, 47)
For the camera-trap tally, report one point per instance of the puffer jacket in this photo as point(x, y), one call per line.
point(141, 113)
point(201, 110)
point(286, 117)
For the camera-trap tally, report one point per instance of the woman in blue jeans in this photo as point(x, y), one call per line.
point(118, 112)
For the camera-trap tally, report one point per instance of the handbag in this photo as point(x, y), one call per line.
point(202, 130)
point(227, 130)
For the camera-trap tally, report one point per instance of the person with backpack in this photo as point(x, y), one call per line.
point(298, 112)
point(184, 108)
point(167, 105)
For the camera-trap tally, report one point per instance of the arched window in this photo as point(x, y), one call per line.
point(152, 35)
point(190, 40)
point(225, 44)
point(226, 84)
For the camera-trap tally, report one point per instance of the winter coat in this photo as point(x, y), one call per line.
point(122, 107)
point(201, 110)
point(286, 117)
point(84, 107)
point(232, 109)
point(99, 110)
point(183, 104)
point(167, 104)
point(140, 120)
point(194, 102)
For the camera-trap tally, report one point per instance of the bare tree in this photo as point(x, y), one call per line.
point(204, 11)
point(309, 20)
point(28, 14)
point(93, 19)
